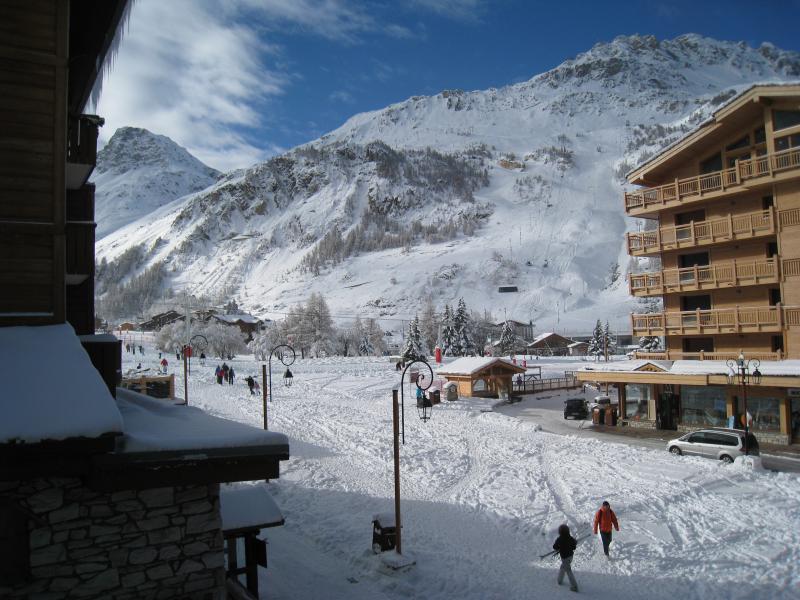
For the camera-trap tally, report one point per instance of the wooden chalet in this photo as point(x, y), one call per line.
point(247, 324)
point(104, 493)
point(158, 321)
point(549, 344)
point(481, 377)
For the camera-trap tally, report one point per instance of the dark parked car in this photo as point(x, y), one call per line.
point(575, 408)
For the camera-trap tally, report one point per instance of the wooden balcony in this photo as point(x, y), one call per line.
point(678, 355)
point(744, 174)
point(754, 319)
point(732, 273)
point(704, 233)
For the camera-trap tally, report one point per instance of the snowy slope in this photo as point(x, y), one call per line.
point(532, 180)
point(139, 171)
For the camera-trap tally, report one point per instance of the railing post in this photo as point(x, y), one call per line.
point(702, 354)
point(697, 319)
point(730, 225)
point(691, 229)
point(736, 318)
point(677, 189)
point(779, 309)
point(696, 277)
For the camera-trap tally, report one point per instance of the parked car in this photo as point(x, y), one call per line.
point(720, 443)
point(575, 408)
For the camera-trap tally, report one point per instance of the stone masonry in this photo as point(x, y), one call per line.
point(150, 544)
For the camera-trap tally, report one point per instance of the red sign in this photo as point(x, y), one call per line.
point(438, 354)
point(187, 350)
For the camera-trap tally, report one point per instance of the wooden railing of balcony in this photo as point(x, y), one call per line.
point(701, 233)
point(690, 188)
point(721, 320)
point(678, 355)
point(729, 273)
point(790, 267)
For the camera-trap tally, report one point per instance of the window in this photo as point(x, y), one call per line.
point(777, 343)
point(637, 398)
point(765, 413)
point(767, 202)
point(721, 439)
point(705, 344)
point(781, 119)
point(759, 136)
point(740, 143)
point(774, 296)
point(732, 159)
point(479, 385)
point(697, 438)
point(772, 249)
point(698, 259)
point(687, 217)
point(702, 302)
point(787, 141)
point(703, 405)
point(711, 164)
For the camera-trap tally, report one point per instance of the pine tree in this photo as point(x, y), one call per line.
point(449, 336)
point(428, 326)
point(608, 343)
point(412, 350)
point(649, 343)
point(461, 324)
point(596, 343)
point(508, 340)
point(374, 334)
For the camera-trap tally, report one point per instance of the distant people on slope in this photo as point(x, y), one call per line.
point(219, 374)
point(251, 384)
point(164, 365)
point(231, 375)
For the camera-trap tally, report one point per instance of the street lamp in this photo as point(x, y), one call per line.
point(424, 406)
point(740, 373)
point(286, 359)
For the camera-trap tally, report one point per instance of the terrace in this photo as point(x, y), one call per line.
point(755, 319)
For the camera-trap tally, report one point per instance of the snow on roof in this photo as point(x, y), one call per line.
point(542, 336)
point(234, 318)
point(54, 392)
point(472, 364)
point(248, 506)
point(574, 344)
point(152, 425)
point(771, 368)
point(627, 365)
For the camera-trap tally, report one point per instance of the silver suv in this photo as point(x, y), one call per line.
point(719, 443)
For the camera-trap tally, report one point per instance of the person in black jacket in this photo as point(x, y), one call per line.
point(565, 544)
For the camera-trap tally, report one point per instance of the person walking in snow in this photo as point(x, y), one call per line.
point(251, 384)
point(231, 375)
point(225, 368)
point(604, 520)
point(202, 359)
point(164, 364)
point(566, 544)
point(218, 373)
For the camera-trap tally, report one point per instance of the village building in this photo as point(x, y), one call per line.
point(481, 377)
point(247, 324)
point(104, 492)
point(578, 348)
point(158, 321)
point(549, 344)
point(522, 331)
point(724, 204)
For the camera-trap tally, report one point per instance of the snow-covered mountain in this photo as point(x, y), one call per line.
point(138, 172)
point(455, 195)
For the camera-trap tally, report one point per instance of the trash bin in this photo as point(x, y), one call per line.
point(611, 416)
point(451, 391)
point(384, 536)
point(435, 396)
point(598, 416)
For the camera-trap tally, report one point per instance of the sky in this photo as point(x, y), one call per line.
point(238, 81)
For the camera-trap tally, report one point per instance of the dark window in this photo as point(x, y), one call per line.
point(767, 202)
point(741, 143)
point(696, 302)
point(732, 159)
point(759, 135)
point(14, 550)
point(698, 344)
point(721, 439)
point(711, 164)
point(697, 259)
point(781, 119)
point(787, 141)
point(777, 343)
point(772, 249)
point(687, 217)
point(697, 438)
point(774, 296)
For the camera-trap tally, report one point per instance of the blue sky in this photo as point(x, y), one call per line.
point(238, 81)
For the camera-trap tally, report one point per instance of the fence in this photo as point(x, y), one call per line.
point(532, 385)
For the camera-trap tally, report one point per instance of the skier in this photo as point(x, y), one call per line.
point(231, 375)
point(565, 544)
point(604, 519)
point(251, 384)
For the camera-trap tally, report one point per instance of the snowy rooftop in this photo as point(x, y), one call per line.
point(627, 365)
point(542, 336)
point(472, 364)
point(154, 425)
point(235, 318)
point(54, 393)
point(248, 506)
point(777, 368)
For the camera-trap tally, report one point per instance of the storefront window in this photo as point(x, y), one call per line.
point(796, 418)
point(637, 396)
point(703, 406)
point(765, 413)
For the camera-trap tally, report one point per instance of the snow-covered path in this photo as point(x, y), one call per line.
point(482, 495)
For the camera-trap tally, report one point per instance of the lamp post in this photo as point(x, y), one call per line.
point(286, 359)
point(740, 373)
point(424, 406)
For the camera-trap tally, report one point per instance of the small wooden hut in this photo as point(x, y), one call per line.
point(481, 376)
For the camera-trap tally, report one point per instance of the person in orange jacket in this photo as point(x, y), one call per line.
point(604, 520)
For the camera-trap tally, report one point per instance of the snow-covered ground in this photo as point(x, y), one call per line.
point(483, 494)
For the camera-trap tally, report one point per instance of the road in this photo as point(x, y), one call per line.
point(546, 409)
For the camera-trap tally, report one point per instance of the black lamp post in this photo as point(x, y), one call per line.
point(424, 404)
point(740, 373)
point(285, 358)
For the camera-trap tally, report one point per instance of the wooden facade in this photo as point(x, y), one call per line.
point(725, 208)
point(491, 379)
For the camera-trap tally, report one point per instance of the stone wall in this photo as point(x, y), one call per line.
point(156, 543)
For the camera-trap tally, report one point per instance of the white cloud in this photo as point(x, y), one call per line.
point(463, 10)
point(342, 96)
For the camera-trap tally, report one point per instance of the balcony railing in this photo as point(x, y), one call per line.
point(701, 233)
point(723, 320)
point(678, 355)
point(693, 188)
point(726, 274)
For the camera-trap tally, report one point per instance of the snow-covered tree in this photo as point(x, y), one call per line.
point(429, 326)
point(264, 340)
point(461, 323)
point(608, 340)
point(373, 337)
point(508, 340)
point(318, 318)
point(596, 342)
point(413, 347)
point(171, 337)
point(224, 341)
point(449, 336)
point(649, 343)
